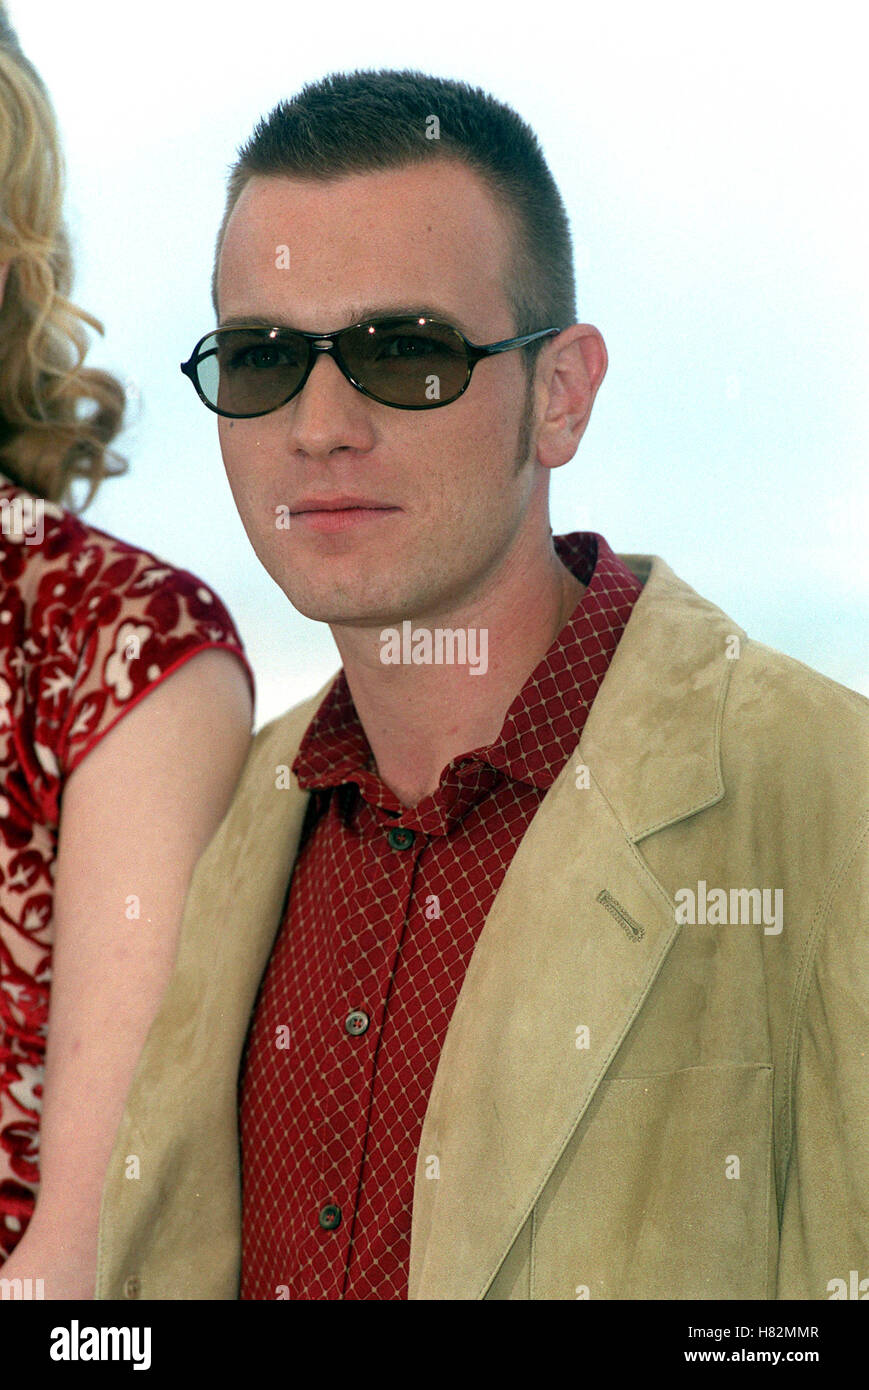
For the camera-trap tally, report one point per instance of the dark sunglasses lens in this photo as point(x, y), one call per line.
point(410, 362)
point(249, 371)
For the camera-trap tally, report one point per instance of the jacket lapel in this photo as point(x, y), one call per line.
point(261, 829)
point(574, 939)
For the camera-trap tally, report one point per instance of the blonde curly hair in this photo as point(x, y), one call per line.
point(57, 417)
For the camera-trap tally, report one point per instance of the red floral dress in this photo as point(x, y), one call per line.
point(88, 626)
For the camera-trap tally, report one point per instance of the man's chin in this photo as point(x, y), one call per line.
point(336, 612)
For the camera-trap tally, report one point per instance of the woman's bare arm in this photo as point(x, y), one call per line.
point(136, 814)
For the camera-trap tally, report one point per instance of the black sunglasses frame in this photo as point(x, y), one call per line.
point(328, 343)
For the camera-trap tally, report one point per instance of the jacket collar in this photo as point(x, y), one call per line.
point(653, 734)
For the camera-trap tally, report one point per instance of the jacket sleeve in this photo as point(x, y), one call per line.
point(824, 1238)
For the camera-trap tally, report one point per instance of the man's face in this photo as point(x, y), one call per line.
point(427, 237)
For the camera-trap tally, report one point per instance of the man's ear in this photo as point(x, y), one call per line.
point(570, 374)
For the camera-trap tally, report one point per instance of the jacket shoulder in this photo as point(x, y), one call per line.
point(794, 749)
point(773, 691)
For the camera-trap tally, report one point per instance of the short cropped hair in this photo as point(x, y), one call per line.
point(359, 122)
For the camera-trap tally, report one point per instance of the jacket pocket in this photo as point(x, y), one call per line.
point(664, 1191)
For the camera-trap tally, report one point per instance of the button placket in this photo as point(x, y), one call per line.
point(362, 976)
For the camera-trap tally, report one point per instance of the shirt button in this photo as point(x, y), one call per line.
point(330, 1216)
point(356, 1023)
point(399, 838)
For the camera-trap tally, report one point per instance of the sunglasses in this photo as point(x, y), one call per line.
point(410, 361)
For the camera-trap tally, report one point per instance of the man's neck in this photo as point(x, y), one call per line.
point(417, 718)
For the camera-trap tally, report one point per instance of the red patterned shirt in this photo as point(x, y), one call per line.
point(88, 626)
point(385, 907)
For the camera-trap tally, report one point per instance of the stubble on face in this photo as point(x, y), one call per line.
point(456, 472)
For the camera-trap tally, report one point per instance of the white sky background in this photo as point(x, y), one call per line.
point(713, 163)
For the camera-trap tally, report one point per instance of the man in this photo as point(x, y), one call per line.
point(533, 940)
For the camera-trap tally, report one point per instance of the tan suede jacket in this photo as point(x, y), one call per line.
point(654, 1084)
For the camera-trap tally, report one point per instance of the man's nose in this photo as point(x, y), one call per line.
point(329, 413)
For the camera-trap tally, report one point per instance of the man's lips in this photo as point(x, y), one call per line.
point(341, 517)
point(339, 504)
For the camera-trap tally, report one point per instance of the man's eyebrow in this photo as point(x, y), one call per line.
point(356, 314)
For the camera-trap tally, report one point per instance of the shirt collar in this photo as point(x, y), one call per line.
point(541, 728)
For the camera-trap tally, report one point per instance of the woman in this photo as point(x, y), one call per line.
point(125, 716)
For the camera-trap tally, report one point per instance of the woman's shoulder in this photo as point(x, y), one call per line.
point(38, 538)
point(89, 623)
